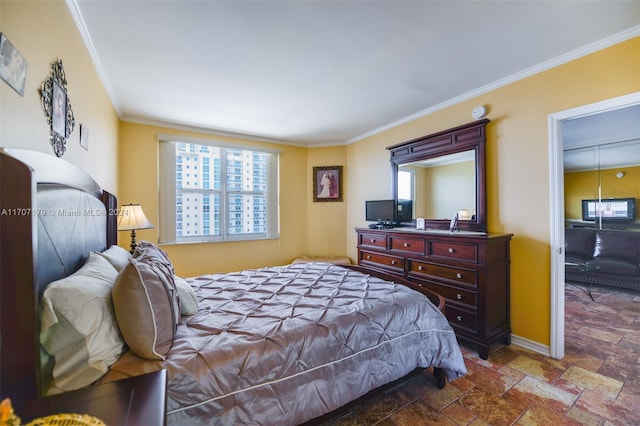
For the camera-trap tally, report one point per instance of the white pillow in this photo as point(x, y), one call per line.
point(117, 257)
point(78, 325)
point(187, 297)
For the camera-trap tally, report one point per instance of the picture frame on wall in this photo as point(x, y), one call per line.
point(13, 66)
point(327, 183)
point(84, 137)
point(59, 110)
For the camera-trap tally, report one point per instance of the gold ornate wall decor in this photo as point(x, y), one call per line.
point(57, 108)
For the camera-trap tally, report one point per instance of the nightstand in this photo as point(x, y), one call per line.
point(135, 401)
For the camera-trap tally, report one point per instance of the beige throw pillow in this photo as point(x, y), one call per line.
point(146, 304)
point(187, 295)
point(78, 326)
point(117, 257)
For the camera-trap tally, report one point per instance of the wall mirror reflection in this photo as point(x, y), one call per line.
point(440, 187)
point(602, 174)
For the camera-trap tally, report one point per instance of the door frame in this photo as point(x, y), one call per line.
point(556, 194)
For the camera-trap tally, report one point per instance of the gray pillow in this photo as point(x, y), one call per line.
point(146, 305)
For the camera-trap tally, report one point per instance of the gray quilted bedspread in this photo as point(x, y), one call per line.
point(283, 345)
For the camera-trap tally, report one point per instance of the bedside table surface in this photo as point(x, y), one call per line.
point(135, 401)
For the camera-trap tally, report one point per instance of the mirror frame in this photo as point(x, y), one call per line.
point(470, 136)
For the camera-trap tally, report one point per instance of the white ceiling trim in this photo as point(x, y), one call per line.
point(84, 33)
point(563, 59)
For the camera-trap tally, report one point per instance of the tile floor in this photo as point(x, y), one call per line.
point(597, 383)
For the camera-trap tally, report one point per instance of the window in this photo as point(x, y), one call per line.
point(406, 184)
point(237, 192)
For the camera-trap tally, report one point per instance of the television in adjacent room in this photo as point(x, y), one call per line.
point(609, 209)
point(380, 210)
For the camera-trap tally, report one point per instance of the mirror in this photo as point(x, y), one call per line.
point(443, 174)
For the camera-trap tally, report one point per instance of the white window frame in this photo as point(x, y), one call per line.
point(167, 194)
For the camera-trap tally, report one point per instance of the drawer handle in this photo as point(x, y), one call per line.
point(373, 241)
point(406, 244)
point(459, 276)
point(368, 256)
point(459, 318)
point(459, 296)
point(451, 250)
point(419, 285)
point(420, 268)
point(393, 262)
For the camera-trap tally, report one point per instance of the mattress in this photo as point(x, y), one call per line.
point(283, 345)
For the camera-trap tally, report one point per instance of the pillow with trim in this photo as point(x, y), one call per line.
point(146, 305)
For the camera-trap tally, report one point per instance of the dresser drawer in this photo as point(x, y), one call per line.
point(382, 260)
point(454, 251)
point(373, 240)
point(452, 294)
point(459, 318)
point(412, 245)
point(441, 272)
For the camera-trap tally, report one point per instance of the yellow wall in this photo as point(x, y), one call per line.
point(452, 185)
point(44, 32)
point(327, 220)
point(517, 165)
point(579, 186)
point(139, 184)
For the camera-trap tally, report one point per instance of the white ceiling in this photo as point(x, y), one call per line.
point(607, 140)
point(328, 72)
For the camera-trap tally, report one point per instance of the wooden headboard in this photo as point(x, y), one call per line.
point(52, 214)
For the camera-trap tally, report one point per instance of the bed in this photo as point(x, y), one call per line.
point(277, 345)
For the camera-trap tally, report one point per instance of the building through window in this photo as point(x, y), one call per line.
point(217, 192)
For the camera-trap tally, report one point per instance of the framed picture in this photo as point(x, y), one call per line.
point(84, 137)
point(13, 66)
point(59, 110)
point(327, 183)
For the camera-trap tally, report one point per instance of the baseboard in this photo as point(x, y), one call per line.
point(530, 345)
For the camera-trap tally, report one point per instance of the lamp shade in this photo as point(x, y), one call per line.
point(463, 214)
point(132, 217)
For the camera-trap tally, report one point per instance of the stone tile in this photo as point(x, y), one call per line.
point(594, 381)
point(616, 412)
point(531, 392)
point(377, 409)
point(417, 413)
point(581, 359)
point(491, 408)
point(439, 398)
point(459, 413)
point(584, 417)
point(489, 379)
point(607, 336)
point(543, 369)
point(541, 416)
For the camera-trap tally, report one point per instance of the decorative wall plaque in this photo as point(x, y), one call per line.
point(57, 108)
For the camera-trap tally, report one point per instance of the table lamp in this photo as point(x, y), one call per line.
point(132, 217)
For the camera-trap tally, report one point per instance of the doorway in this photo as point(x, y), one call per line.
point(557, 214)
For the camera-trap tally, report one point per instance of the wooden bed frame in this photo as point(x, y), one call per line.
point(43, 201)
point(52, 214)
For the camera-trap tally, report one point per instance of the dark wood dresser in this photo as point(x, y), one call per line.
point(469, 269)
